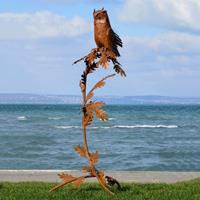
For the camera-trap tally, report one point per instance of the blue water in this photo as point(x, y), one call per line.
point(134, 138)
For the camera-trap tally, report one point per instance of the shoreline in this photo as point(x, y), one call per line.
point(121, 176)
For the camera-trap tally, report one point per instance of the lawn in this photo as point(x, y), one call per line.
point(39, 191)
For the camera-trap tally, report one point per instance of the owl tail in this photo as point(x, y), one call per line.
point(116, 52)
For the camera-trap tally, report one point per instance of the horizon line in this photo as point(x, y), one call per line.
point(112, 95)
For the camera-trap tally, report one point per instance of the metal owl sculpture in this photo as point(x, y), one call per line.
point(104, 34)
point(107, 51)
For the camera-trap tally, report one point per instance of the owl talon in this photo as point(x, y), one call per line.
point(119, 70)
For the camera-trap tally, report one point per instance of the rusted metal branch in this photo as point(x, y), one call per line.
point(67, 182)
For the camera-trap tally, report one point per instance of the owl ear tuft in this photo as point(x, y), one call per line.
point(102, 8)
point(94, 11)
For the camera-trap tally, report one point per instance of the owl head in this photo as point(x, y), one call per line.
point(101, 16)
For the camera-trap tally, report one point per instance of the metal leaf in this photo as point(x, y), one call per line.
point(101, 114)
point(81, 151)
point(66, 177)
point(94, 157)
point(100, 84)
point(89, 96)
point(91, 56)
point(79, 181)
point(69, 178)
point(99, 104)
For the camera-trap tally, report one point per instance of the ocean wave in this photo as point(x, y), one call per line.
point(120, 126)
point(103, 127)
point(55, 118)
point(110, 118)
point(146, 126)
point(22, 118)
point(67, 127)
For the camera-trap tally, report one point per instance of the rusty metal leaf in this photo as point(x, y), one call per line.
point(95, 107)
point(97, 85)
point(94, 157)
point(101, 114)
point(100, 84)
point(66, 177)
point(81, 151)
point(99, 104)
point(91, 56)
point(89, 96)
point(78, 182)
point(69, 178)
point(90, 107)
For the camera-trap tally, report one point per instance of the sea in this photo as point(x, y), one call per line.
point(136, 137)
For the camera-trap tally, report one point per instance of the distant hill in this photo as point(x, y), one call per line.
point(73, 99)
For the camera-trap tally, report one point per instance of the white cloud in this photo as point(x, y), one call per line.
point(166, 64)
point(82, 1)
point(40, 25)
point(172, 51)
point(173, 14)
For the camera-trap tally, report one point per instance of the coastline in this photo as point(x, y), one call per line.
point(121, 176)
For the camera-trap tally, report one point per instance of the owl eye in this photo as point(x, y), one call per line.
point(99, 18)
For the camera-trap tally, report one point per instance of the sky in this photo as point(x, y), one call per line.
point(40, 39)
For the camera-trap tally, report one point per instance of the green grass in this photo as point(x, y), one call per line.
point(39, 191)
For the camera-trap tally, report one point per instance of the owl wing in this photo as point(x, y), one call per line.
point(114, 41)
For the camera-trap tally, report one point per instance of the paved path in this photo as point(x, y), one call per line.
point(122, 176)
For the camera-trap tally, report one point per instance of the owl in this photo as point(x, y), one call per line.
point(103, 34)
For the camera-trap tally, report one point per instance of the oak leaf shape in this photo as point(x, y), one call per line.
point(99, 84)
point(91, 56)
point(94, 157)
point(98, 104)
point(79, 181)
point(95, 107)
point(89, 96)
point(69, 178)
point(101, 114)
point(81, 151)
